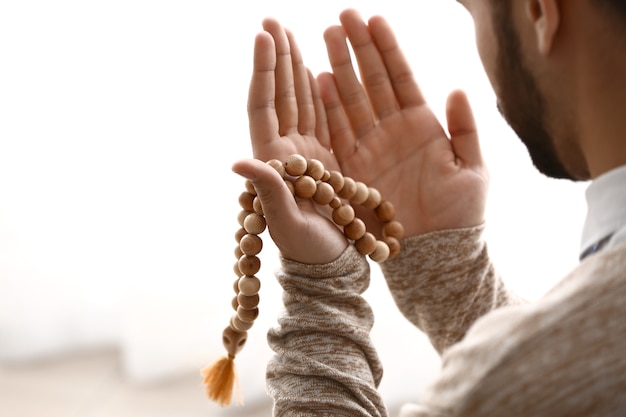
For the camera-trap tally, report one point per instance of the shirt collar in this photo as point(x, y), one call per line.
point(606, 208)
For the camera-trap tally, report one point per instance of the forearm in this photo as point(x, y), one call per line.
point(444, 281)
point(325, 363)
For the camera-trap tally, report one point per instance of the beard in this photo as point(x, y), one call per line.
point(519, 100)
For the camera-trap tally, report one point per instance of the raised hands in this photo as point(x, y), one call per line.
point(380, 131)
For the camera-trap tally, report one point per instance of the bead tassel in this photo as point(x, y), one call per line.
point(311, 181)
point(220, 379)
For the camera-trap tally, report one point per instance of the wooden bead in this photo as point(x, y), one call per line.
point(366, 245)
point(239, 325)
point(295, 165)
point(343, 215)
point(394, 229)
point(242, 216)
point(335, 202)
point(249, 285)
point(236, 285)
point(233, 340)
point(355, 229)
point(305, 187)
point(394, 246)
point(250, 245)
point(315, 169)
point(254, 223)
point(349, 188)
point(380, 253)
point(373, 199)
point(326, 176)
point(278, 166)
point(361, 193)
point(336, 180)
point(248, 302)
point(249, 265)
point(238, 252)
point(245, 200)
point(236, 269)
point(385, 211)
point(234, 303)
point(324, 193)
point(248, 315)
point(257, 207)
point(250, 187)
point(240, 234)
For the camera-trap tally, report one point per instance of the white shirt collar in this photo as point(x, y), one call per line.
point(606, 209)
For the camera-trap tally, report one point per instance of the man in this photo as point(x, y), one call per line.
point(557, 68)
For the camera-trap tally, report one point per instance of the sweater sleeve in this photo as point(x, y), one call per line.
point(325, 363)
point(444, 281)
point(562, 356)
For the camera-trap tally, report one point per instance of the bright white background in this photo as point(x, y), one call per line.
point(119, 121)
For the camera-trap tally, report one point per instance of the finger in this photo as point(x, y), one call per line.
point(462, 129)
point(276, 199)
point(374, 74)
point(262, 117)
point(406, 90)
point(304, 96)
point(343, 140)
point(353, 97)
point(321, 120)
point(285, 94)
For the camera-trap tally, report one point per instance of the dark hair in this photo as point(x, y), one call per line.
point(614, 6)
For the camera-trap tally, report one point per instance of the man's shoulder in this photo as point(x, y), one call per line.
point(568, 345)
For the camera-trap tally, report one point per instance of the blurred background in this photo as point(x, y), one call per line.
point(119, 122)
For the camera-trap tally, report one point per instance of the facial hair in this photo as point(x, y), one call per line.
point(519, 100)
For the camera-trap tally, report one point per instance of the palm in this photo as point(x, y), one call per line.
point(418, 171)
point(383, 132)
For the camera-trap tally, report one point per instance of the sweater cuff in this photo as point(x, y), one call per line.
point(441, 250)
point(349, 264)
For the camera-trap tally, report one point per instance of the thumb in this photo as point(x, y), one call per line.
point(462, 129)
point(270, 187)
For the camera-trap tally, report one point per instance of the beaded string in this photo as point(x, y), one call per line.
point(310, 180)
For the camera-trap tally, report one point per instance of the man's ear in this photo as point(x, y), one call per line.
point(545, 16)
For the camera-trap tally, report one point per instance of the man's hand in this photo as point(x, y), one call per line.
point(287, 116)
point(384, 134)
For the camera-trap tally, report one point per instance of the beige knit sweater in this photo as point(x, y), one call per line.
point(562, 356)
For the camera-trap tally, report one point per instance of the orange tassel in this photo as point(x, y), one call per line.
point(220, 380)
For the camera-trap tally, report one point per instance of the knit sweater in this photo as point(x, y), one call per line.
point(564, 355)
